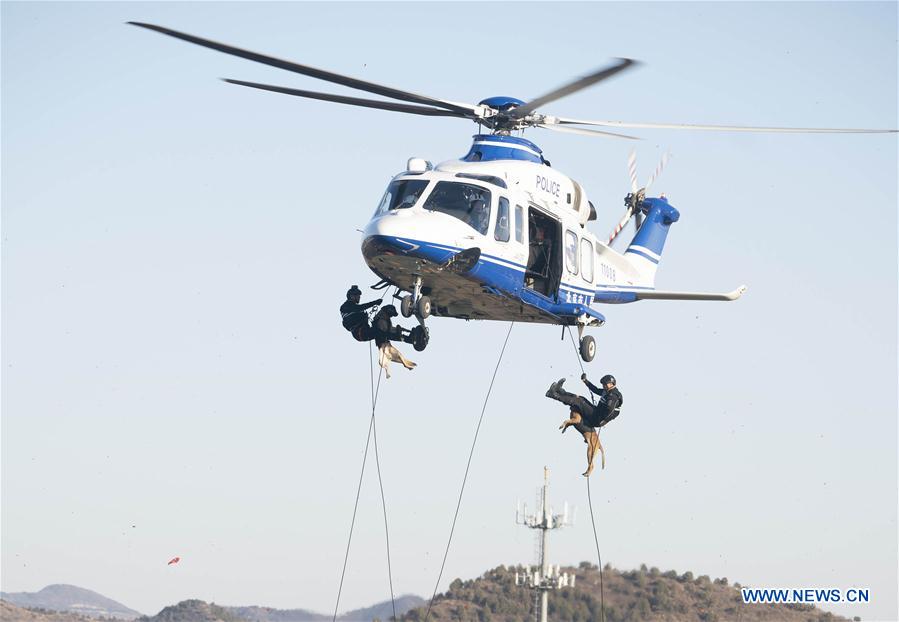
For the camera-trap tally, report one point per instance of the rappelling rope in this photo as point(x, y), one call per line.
point(374, 429)
point(602, 603)
point(467, 467)
point(577, 354)
point(375, 390)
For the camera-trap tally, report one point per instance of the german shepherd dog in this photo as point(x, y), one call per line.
point(388, 352)
point(591, 437)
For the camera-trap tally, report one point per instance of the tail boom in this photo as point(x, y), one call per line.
point(645, 251)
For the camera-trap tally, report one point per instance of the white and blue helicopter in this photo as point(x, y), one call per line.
point(499, 234)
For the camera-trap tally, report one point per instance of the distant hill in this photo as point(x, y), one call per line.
point(12, 613)
point(73, 599)
point(381, 611)
point(193, 611)
point(645, 595)
point(67, 603)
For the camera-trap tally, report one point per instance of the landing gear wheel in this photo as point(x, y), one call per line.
point(420, 338)
point(588, 348)
point(406, 306)
point(423, 309)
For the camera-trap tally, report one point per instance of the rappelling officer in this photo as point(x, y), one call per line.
point(586, 416)
point(354, 316)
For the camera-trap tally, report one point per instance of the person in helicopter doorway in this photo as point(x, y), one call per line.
point(381, 330)
point(586, 416)
point(539, 252)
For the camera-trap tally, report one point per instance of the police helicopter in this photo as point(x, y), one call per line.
point(499, 234)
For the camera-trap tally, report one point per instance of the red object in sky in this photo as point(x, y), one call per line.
point(174, 560)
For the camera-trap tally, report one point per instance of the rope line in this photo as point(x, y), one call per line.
point(374, 402)
point(374, 429)
point(467, 467)
point(602, 600)
point(577, 354)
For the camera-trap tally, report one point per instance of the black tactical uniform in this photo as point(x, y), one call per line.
point(609, 405)
point(355, 318)
point(593, 416)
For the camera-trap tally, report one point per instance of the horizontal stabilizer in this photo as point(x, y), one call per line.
point(662, 295)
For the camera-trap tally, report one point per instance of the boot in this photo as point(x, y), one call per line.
point(555, 388)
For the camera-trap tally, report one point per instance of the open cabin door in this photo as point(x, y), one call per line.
point(544, 267)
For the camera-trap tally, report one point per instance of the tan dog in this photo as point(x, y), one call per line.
point(591, 437)
point(388, 352)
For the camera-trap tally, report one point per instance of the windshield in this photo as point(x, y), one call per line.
point(468, 203)
point(401, 194)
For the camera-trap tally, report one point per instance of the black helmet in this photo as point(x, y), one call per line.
point(607, 379)
point(353, 291)
point(389, 310)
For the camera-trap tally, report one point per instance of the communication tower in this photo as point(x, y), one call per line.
point(546, 577)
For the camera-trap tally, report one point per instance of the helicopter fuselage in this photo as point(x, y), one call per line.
point(537, 262)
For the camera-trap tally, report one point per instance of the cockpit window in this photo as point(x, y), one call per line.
point(468, 203)
point(401, 194)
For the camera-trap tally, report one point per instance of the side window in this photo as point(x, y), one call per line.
point(501, 232)
point(519, 224)
point(587, 260)
point(571, 251)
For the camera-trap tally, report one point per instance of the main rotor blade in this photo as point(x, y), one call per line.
point(572, 87)
point(584, 132)
point(321, 74)
point(726, 128)
point(353, 101)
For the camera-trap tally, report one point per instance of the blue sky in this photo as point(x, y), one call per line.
point(176, 381)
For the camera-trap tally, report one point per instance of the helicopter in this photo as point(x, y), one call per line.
point(499, 234)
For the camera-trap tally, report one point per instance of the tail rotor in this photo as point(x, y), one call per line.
point(634, 200)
